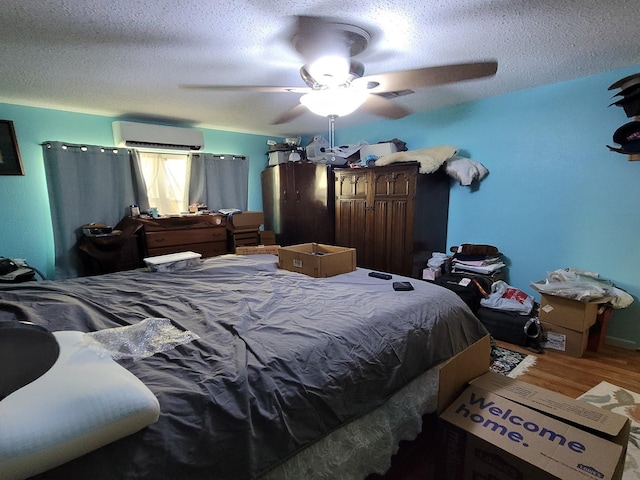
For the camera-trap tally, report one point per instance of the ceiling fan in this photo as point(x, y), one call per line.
point(336, 85)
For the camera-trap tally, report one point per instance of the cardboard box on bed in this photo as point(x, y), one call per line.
point(317, 260)
point(502, 428)
point(258, 250)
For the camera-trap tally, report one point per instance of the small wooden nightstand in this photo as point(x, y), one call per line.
point(114, 252)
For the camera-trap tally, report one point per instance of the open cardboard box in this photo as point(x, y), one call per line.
point(493, 426)
point(567, 312)
point(317, 260)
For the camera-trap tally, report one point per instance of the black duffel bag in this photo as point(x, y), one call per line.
point(511, 327)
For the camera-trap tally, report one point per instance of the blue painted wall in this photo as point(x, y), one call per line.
point(25, 222)
point(555, 196)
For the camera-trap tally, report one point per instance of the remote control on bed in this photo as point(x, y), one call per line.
point(384, 276)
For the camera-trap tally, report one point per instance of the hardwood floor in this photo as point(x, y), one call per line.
point(574, 376)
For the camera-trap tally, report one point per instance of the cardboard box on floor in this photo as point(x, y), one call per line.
point(567, 312)
point(493, 426)
point(565, 340)
point(568, 321)
point(317, 260)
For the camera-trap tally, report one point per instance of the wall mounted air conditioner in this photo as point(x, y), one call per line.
point(148, 135)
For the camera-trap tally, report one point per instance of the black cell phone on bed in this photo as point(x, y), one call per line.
point(402, 286)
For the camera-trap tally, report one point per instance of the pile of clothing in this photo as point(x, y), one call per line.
point(482, 259)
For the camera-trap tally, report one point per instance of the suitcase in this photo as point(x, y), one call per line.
point(470, 288)
point(523, 330)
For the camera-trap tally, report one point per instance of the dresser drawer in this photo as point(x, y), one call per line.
point(209, 249)
point(184, 223)
point(170, 238)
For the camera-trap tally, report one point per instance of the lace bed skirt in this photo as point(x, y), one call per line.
point(366, 444)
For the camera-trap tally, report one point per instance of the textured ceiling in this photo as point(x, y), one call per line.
point(128, 59)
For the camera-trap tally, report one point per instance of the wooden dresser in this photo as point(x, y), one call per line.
point(204, 234)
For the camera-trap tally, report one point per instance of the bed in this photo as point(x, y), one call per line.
point(289, 377)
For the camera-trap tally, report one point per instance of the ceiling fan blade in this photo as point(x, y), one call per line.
point(426, 77)
point(249, 88)
point(382, 107)
point(290, 114)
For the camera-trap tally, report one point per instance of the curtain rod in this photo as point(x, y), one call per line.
point(85, 148)
point(81, 147)
point(221, 156)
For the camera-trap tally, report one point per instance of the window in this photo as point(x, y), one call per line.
point(166, 176)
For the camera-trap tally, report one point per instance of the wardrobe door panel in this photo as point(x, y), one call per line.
point(298, 202)
point(391, 244)
point(351, 188)
point(273, 201)
point(392, 224)
point(350, 227)
point(314, 203)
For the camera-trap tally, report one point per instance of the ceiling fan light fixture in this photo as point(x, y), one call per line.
point(334, 101)
point(330, 70)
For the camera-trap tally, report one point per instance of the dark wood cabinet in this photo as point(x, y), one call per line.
point(120, 250)
point(393, 216)
point(298, 202)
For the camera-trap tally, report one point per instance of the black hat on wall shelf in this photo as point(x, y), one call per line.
point(626, 82)
point(630, 90)
point(628, 137)
point(630, 103)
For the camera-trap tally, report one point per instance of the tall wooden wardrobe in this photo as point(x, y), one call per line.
point(393, 216)
point(298, 202)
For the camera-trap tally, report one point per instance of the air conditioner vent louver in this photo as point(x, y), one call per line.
point(147, 135)
point(162, 146)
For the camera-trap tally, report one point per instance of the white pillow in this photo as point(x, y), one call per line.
point(82, 403)
point(465, 170)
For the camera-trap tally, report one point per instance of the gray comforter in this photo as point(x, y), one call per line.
point(282, 358)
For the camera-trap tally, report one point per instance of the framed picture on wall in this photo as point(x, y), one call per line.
point(10, 162)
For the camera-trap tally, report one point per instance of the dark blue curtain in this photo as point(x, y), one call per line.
point(219, 181)
point(88, 184)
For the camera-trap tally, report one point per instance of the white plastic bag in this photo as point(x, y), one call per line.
point(505, 297)
point(582, 286)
